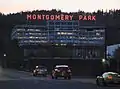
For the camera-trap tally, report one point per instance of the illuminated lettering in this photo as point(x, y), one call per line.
point(85, 18)
point(62, 17)
point(28, 17)
point(52, 17)
point(39, 17)
point(93, 17)
point(57, 17)
point(80, 17)
point(71, 17)
point(66, 17)
point(43, 16)
point(89, 17)
point(34, 17)
point(47, 17)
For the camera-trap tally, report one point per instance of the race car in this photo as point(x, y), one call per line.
point(108, 78)
point(40, 70)
point(61, 71)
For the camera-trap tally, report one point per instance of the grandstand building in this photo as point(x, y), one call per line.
point(86, 42)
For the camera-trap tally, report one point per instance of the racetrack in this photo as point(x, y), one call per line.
point(13, 79)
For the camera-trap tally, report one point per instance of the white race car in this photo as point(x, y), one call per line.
point(108, 78)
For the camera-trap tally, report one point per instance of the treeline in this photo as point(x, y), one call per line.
point(111, 19)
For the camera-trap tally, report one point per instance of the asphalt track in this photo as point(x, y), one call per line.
point(13, 79)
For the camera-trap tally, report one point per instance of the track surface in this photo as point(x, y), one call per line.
point(13, 79)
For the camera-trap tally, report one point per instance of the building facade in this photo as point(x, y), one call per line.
point(87, 42)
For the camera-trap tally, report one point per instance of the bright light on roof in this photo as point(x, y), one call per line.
point(110, 73)
point(61, 65)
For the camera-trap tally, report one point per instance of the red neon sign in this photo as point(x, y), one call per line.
point(59, 17)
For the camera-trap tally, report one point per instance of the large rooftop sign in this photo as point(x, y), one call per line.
point(60, 17)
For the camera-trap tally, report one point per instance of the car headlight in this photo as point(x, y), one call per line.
point(118, 75)
point(57, 70)
point(99, 77)
point(34, 71)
